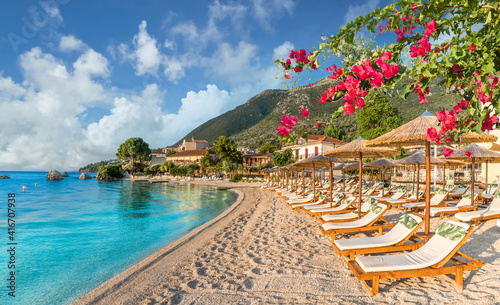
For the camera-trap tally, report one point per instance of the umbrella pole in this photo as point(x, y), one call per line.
point(331, 184)
point(414, 177)
point(383, 181)
point(427, 186)
point(472, 182)
point(486, 176)
point(418, 178)
point(343, 178)
point(360, 181)
point(314, 182)
point(444, 176)
point(303, 181)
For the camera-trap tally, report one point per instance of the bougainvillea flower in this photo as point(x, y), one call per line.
point(468, 154)
point(473, 48)
point(348, 108)
point(318, 124)
point(447, 152)
point(283, 131)
point(305, 112)
point(287, 76)
point(456, 68)
point(431, 28)
point(432, 135)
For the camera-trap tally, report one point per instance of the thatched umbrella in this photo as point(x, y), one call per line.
point(383, 163)
point(418, 159)
point(414, 133)
point(357, 149)
point(320, 161)
point(449, 162)
point(478, 154)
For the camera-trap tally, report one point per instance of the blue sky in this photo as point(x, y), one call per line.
point(77, 78)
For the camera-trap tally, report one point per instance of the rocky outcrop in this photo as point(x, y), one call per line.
point(102, 177)
point(84, 176)
point(65, 174)
point(54, 175)
point(4, 176)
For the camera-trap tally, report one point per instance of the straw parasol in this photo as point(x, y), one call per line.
point(357, 149)
point(480, 154)
point(383, 163)
point(320, 161)
point(418, 159)
point(414, 133)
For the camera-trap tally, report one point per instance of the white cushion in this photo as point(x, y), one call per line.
point(434, 251)
point(363, 221)
point(395, 235)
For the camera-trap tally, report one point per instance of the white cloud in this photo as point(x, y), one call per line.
point(283, 50)
point(146, 55)
point(265, 10)
point(354, 11)
point(70, 43)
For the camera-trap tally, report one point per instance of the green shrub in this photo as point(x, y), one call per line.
point(236, 178)
point(111, 170)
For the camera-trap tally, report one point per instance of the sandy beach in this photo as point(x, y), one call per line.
point(261, 252)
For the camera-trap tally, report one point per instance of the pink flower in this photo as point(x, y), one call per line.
point(287, 76)
point(473, 48)
point(386, 55)
point(360, 103)
point(328, 69)
point(456, 68)
point(305, 113)
point(283, 131)
point(468, 154)
point(310, 85)
point(294, 119)
point(432, 135)
point(318, 124)
point(494, 118)
point(348, 108)
point(431, 28)
point(447, 152)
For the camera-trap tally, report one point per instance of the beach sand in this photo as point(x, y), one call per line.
point(261, 252)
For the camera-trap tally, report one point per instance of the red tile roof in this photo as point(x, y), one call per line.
point(189, 153)
point(320, 138)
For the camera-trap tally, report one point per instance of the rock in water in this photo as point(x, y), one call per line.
point(65, 174)
point(84, 176)
point(4, 176)
point(54, 175)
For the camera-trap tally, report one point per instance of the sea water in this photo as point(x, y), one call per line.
point(72, 235)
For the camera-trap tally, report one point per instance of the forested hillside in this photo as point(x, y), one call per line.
point(255, 122)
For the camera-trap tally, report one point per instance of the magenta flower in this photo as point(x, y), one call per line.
point(468, 154)
point(456, 68)
point(473, 48)
point(447, 152)
point(432, 135)
point(305, 113)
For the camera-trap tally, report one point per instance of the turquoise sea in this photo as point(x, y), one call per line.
point(72, 235)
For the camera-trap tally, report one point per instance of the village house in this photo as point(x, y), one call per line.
point(315, 145)
point(250, 160)
point(189, 156)
point(192, 144)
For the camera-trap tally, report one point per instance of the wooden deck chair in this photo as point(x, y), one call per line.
point(309, 198)
point(398, 202)
point(428, 260)
point(394, 240)
point(491, 189)
point(398, 193)
point(371, 221)
point(343, 206)
point(461, 189)
point(387, 191)
point(436, 200)
point(325, 204)
point(346, 215)
point(465, 201)
point(491, 212)
point(320, 199)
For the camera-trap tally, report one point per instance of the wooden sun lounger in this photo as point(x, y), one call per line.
point(458, 259)
point(378, 223)
point(349, 254)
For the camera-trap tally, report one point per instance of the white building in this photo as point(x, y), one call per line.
point(315, 145)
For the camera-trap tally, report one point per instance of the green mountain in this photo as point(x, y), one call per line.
point(255, 122)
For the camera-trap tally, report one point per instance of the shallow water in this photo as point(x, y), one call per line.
point(73, 235)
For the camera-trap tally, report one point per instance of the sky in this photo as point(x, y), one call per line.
point(78, 78)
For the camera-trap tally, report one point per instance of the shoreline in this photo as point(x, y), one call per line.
point(98, 294)
point(260, 251)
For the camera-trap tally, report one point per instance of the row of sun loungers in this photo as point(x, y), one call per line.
point(439, 255)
